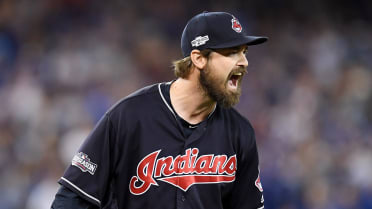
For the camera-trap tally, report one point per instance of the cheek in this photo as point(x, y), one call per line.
point(221, 68)
point(217, 75)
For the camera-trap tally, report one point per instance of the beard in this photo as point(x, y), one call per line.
point(216, 88)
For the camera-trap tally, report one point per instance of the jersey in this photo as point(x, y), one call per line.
point(137, 157)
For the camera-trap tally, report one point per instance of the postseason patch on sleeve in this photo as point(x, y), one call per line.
point(82, 161)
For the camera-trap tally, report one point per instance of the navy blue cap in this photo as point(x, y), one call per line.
point(215, 30)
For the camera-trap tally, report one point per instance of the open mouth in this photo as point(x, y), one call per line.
point(234, 80)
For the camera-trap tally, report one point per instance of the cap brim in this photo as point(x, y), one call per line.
point(244, 40)
point(256, 40)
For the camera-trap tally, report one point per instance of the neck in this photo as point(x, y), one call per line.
point(189, 100)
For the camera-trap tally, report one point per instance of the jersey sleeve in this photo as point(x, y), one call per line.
point(248, 191)
point(67, 199)
point(89, 173)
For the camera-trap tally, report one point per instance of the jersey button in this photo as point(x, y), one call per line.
point(183, 198)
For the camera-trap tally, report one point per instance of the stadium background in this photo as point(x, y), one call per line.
point(308, 92)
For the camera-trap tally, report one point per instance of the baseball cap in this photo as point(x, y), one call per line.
point(215, 30)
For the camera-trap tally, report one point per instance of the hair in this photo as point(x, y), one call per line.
point(182, 66)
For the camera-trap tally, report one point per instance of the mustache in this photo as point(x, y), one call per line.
point(241, 70)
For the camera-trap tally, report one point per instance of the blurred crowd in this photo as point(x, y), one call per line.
point(308, 91)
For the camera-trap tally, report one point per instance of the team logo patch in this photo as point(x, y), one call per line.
point(183, 171)
point(236, 26)
point(82, 161)
point(258, 183)
point(200, 40)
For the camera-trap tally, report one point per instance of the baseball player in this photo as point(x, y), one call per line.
point(177, 144)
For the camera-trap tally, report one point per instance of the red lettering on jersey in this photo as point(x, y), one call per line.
point(218, 162)
point(145, 170)
point(183, 171)
point(163, 166)
point(203, 163)
point(185, 163)
point(230, 166)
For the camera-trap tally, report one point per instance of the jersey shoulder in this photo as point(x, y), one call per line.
point(240, 128)
point(238, 120)
point(145, 96)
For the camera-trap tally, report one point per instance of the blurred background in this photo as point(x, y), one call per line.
point(308, 91)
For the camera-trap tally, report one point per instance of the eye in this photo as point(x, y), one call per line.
point(232, 52)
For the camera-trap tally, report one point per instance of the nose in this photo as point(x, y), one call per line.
point(242, 62)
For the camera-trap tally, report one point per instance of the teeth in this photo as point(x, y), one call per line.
point(237, 74)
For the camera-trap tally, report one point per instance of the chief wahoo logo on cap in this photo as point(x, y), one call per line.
point(236, 25)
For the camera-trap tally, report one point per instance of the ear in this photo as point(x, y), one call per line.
point(198, 59)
